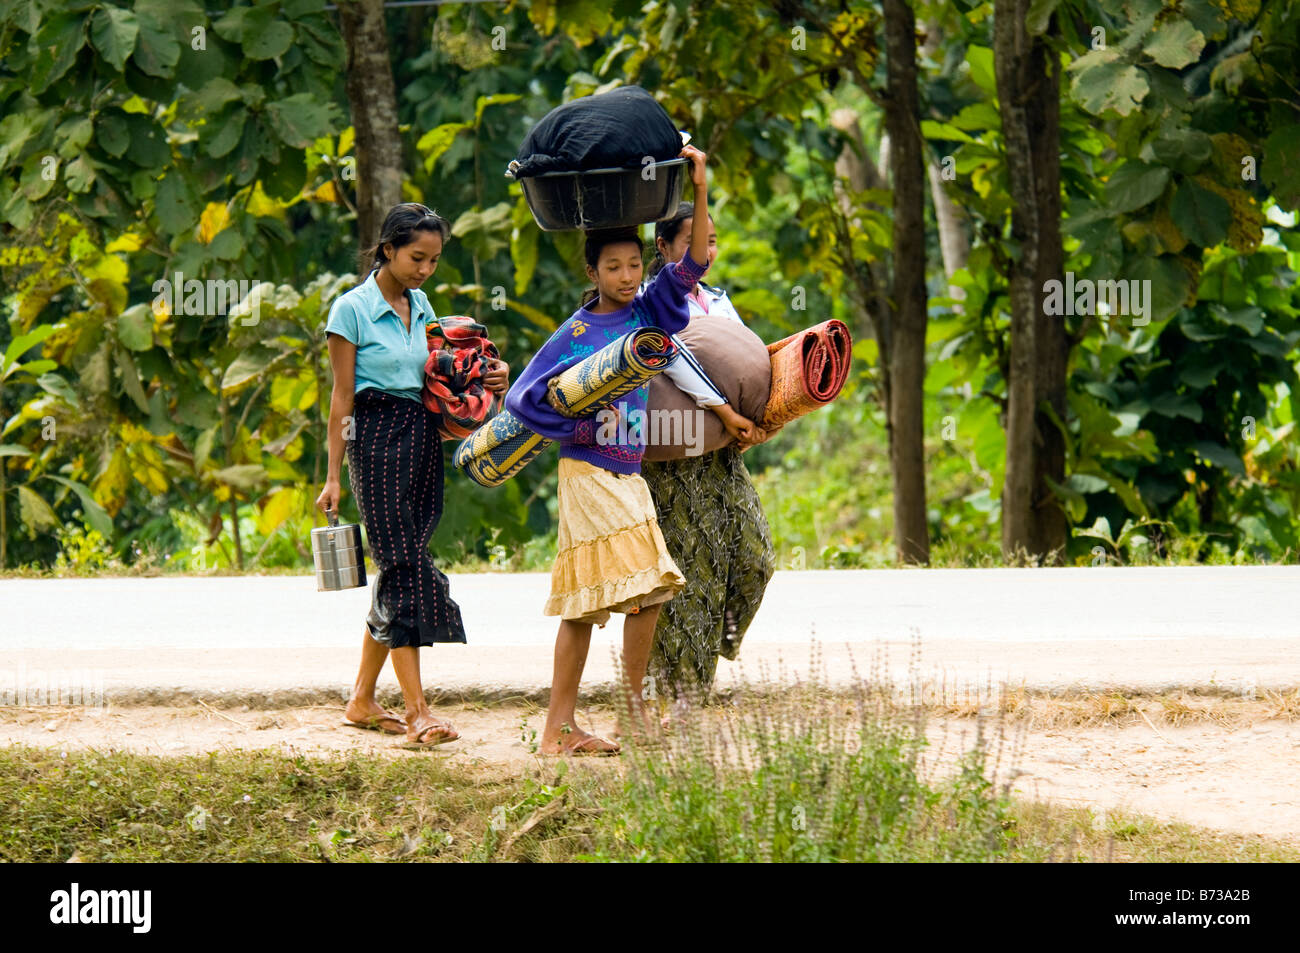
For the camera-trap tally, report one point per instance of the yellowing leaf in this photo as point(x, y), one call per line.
point(259, 203)
point(325, 193)
point(215, 217)
point(279, 506)
point(127, 242)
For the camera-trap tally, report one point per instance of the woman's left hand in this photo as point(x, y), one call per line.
point(497, 378)
point(698, 161)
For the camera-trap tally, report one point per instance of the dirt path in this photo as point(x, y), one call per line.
point(1236, 773)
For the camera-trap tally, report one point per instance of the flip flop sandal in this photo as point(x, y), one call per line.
point(377, 724)
point(440, 738)
point(584, 749)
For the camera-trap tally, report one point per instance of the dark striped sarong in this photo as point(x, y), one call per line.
point(395, 471)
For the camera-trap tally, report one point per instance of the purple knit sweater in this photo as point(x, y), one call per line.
point(662, 303)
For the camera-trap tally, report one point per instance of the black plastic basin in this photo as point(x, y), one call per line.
point(604, 198)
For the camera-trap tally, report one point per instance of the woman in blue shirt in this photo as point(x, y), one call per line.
point(378, 350)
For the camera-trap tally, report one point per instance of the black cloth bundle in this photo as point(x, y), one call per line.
point(611, 130)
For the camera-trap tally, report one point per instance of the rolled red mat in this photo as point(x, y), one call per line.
point(809, 369)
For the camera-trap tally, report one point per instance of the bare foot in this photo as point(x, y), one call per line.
point(370, 714)
point(425, 731)
point(579, 743)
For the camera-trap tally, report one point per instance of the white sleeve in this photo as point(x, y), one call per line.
point(691, 380)
point(722, 305)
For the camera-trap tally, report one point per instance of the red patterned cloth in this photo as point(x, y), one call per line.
point(459, 355)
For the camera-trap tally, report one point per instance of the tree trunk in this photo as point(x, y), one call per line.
point(1032, 523)
point(868, 288)
point(908, 313)
point(234, 531)
point(372, 101)
point(954, 244)
point(1049, 528)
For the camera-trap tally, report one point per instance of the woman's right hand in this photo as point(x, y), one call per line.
point(329, 497)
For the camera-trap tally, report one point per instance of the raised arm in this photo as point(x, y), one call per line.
point(699, 248)
point(666, 293)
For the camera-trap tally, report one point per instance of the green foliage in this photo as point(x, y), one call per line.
point(141, 139)
point(801, 777)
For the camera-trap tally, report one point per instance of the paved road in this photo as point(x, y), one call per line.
point(1144, 628)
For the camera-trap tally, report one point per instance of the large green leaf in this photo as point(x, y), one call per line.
point(35, 512)
point(287, 176)
point(156, 49)
point(214, 95)
point(523, 245)
point(1249, 318)
point(1103, 83)
point(131, 379)
point(34, 368)
point(484, 232)
point(147, 146)
point(24, 343)
point(60, 387)
point(14, 450)
point(228, 245)
point(96, 516)
point(60, 38)
point(229, 131)
point(1175, 43)
point(1185, 150)
point(1170, 283)
point(301, 119)
point(244, 476)
point(438, 140)
point(319, 40)
point(176, 203)
point(1281, 166)
point(264, 36)
point(1135, 184)
point(980, 61)
point(135, 327)
point(203, 448)
point(247, 366)
point(79, 175)
point(1201, 215)
point(113, 32)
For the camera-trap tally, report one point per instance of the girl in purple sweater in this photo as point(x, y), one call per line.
point(612, 556)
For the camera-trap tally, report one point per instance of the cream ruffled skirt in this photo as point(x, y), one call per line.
point(612, 556)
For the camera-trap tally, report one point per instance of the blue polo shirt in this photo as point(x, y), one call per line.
point(389, 358)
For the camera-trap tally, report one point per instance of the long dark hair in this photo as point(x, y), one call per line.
point(668, 230)
point(399, 228)
point(597, 239)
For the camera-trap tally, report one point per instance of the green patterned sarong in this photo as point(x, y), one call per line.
point(716, 532)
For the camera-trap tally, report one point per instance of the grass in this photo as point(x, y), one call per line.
point(1228, 709)
point(801, 775)
point(262, 806)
